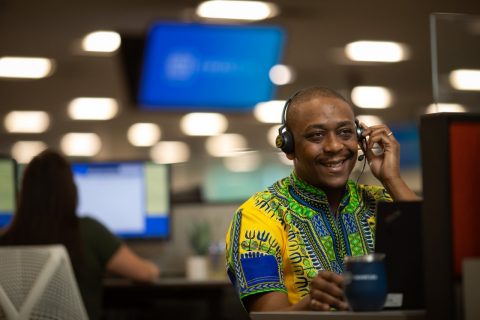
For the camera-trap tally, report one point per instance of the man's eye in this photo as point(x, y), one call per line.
point(346, 132)
point(315, 135)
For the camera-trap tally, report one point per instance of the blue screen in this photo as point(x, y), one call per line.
point(8, 186)
point(223, 67)
point(132, 199)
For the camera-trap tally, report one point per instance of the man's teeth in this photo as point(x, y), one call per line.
point(334, 164)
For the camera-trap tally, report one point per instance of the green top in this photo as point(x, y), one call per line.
point(99, 245)
point(281, 237)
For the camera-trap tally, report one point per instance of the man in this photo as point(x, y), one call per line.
point(286, 244)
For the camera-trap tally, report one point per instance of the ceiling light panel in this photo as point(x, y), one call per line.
point(269, 112)
point(27, 121)
point(465, 79)
point(203, 124)
point(101, 41)
point(376, 51)
point(369, 120)
point(281, 74)
point(80, 144)
point(170, 152)
point(237, 10)
point(371, 97)
point(24, 151)
point(25, 67)
point(226, 145)
point(144, 134)
point(92, 108)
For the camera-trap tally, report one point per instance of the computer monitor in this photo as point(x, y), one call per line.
point(8, 189)
point(398, 234)
point(450, 149)
point(132, 198)
point(197, 66)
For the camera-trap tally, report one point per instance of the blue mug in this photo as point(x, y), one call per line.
point(365, 282)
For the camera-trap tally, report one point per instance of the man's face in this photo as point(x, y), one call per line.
point(325, 141)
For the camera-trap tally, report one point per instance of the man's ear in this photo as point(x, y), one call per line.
point(290, 156)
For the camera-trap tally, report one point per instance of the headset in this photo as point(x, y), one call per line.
point(284, 140)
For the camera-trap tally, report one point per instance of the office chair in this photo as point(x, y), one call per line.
point(37, 282)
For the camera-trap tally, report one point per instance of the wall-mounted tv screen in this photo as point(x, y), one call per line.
point(131, 198)
point(8, 188)
point(208, 66)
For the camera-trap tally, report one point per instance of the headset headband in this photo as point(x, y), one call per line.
point(285, 110)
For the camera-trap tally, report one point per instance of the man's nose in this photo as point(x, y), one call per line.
point(332, 143)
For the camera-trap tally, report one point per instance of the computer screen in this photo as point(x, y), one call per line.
point(209, 66)
point(8, 189)
point(131, 198)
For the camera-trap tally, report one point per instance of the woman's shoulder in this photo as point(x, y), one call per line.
point(94, 232)
point(91, 225)
point(88, 221)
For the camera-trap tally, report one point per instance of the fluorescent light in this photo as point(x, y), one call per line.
point(371, 97)
point(269, 112)
point(92, 108)
point(24, 151)
point(272, 135)
point(237, 10)
point(226, 145)
point(369, 120)
point(465, 79)
point(143, 134)
point(101, 41)
point(80, 144)
point(203, 124)
point(377, 51)
point(26, 121)
point(281, 74)
point(243, 161)
point(23, 67)
point(445, 107)
point(170, 152)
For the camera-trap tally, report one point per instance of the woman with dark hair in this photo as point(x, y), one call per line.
point(46, 214)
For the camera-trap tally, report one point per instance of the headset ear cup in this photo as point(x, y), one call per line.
point(288, 145)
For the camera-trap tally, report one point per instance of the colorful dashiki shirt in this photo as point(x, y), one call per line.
point(281, 237)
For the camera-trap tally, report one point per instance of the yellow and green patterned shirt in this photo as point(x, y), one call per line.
point(281, 237)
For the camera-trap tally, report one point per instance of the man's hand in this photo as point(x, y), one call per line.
point(326, 292)
point(384, 166)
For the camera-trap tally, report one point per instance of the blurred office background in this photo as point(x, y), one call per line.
point(214, 171)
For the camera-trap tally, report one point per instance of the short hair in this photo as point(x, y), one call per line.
point(309, 93)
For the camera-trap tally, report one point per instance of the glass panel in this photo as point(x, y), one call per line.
point(455, 41)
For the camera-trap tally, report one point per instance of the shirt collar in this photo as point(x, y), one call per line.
point(310, 192)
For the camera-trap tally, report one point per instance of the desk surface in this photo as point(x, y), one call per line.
point(340, 315)
point(190, 299)
point(167, 282)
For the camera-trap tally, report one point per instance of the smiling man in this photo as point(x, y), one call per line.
point(286, 244)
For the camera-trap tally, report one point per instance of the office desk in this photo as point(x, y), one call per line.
point(340, 315)
point(124, 298)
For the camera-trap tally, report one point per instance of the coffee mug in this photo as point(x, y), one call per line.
point(365, 282)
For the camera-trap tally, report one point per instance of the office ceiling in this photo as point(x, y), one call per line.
point(316, 30)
